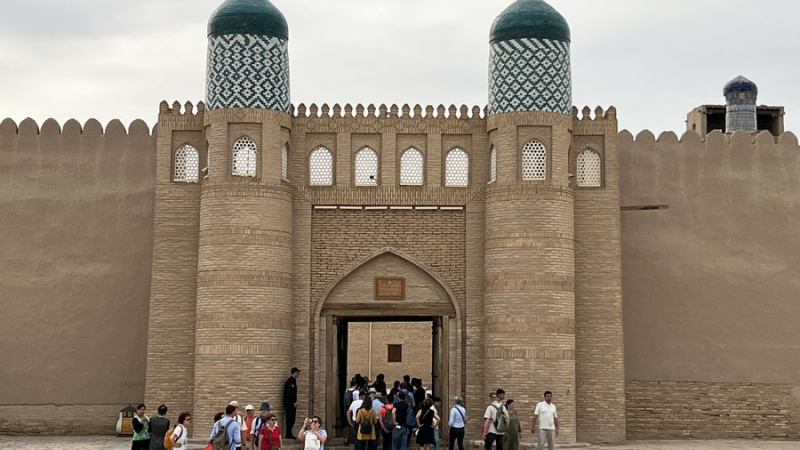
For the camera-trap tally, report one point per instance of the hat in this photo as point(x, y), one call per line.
point(234, 403)
point(295, 369)
point(264, 406)
point(372, 390)
point(249, 408)
point(458, 399)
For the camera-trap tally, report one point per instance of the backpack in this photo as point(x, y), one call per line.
point(348, 397)
point(168, 437)
point(501, 420)
point(366, 425)
point(411, 419)
point(220, 440)
point(388, 417)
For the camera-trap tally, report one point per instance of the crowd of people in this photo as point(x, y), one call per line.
point(377, 418)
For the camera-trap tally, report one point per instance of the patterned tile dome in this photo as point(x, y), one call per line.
point(530, 19)
point(255, 17)
point(739, 84)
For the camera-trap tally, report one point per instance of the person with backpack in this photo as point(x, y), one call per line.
point(457, 423)
point(269, 438)
point(404, 421)
point(179, 437)
point(141, 429)
point(355, 407)
point(496, 423)
point(347, 400)
point(367, 420)
point(159, 425)
point(387, 422)
point(226, 435)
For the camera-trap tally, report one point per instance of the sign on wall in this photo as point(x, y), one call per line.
point(390, 288)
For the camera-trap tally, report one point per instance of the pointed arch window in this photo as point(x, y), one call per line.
point(412, 168)
point(456, 168)
point(534, 161)
point(244, 157)
point(320, 167)
point(187, 164)
point(493, 165)
point(366, 173)
point(589, 169)
point(285, 163)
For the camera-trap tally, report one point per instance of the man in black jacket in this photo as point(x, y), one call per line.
point(290, 401)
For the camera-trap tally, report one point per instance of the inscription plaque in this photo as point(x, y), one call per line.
point(390, 288)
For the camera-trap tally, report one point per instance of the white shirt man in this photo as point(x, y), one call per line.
point(490, 433)
point(547, 417)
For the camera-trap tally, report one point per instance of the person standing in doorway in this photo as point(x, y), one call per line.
point(457, 423)
point(290, 401)
point(402, 428)
point(492, 415)
point(546, 416)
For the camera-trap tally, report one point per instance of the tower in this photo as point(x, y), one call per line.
point(529, 304)
point(244, 296)
point(740, 105)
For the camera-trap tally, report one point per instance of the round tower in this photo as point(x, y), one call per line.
point(529, 303)
point(740, 99)
point(244, 283)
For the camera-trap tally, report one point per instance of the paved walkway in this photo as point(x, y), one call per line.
point(110, 443)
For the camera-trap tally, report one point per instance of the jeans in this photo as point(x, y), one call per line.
point(400, 438)
point(435, 445)
point(490, 438)
point(456, 434)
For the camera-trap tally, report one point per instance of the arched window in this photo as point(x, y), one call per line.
point(244, 157)
point(285, 162)
point(534, 161)
point(493, 165)
point(412, 168)
point(366, 173)
point(320, 167)
point(590, 172)
point(187, 164)
point(456, 168)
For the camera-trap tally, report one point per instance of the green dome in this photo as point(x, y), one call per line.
point(532, 19)
point(257, 17)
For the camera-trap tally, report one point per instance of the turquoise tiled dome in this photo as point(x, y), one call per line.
point(254, 17)
point(530, 19)
point(739, 84)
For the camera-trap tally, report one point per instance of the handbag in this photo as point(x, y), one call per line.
point(210, 446)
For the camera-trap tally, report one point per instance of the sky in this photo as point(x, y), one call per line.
point(654, 60)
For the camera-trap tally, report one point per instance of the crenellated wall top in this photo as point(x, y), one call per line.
point(91, 127)
point(714, 139)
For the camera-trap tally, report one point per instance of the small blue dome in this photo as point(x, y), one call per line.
point(257, 17)
point(739, 84)
point(532, 19)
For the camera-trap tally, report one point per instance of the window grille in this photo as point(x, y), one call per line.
point(366, 173)
point(534, 161)
point(285, 163)
point(187, 164)
point(244, 157)
point(395, 353)
point(589, 169)
point(412, 168)
point(320, 167)
point(456, 168)
point(493, 165)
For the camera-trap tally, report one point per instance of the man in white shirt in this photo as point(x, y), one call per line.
point(490, 433)
point(354, 407)
point(547, 417)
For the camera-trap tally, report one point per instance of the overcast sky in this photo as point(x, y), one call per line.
point(653, 59)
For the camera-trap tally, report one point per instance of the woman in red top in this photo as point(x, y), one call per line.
point(269, 438)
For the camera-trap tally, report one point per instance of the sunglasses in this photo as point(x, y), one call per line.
point(273, 420)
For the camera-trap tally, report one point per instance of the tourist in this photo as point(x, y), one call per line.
point(269, 438)
point(490, 433)
point(419, 393)
point(377, 404)
point(240, 422)
point(547, 417)
point(457, 423)
point(259, 422)
point(218, 416)
point(347, 400)
point(380, 384)
point(141, 429)
point(401, 427)
point(249, 416)
point(353, 414)
point(395, 388)
point(426, 417)
point(312, 434)
point(180, 435)
point(511, 439)
point(159, 425)
point(437, 403)
point(387, 422)
point(229, 426)
point(367, 421)
point(290, 401)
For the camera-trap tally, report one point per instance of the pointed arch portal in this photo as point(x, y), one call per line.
point(352, 298)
